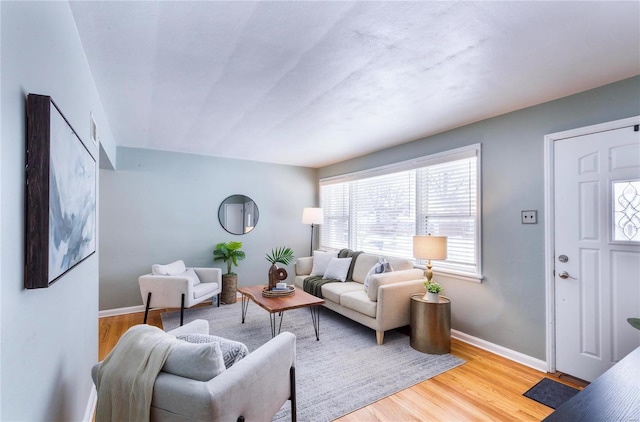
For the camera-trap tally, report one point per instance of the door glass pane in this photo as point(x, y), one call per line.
point(626, 210)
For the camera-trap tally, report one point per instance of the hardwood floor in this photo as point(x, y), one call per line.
point(485, 388)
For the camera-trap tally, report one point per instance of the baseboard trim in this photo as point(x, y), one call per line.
point(91, 405)
point(518, 357)
point(133, 309)
point(121, 311)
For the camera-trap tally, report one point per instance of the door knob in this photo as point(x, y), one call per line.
point(565, 275)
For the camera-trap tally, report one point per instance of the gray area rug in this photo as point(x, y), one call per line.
point(344, 371)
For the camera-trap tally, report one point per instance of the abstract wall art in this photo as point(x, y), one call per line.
point(60, 200)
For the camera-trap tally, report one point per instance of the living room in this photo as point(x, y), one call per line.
point(157, 206)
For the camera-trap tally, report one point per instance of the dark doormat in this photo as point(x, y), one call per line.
point(551, 393)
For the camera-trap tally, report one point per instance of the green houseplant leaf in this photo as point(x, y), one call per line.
point(229, 253)
point(433, 287)
point(283, 255)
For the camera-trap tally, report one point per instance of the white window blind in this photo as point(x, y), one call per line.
point(380, 210)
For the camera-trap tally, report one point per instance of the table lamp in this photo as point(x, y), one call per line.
point(430, 247)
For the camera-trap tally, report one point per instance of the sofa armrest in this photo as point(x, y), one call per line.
point(303, 265)
point(383, 279)
point(209, 275)
point(394, 302)
point(256, 387)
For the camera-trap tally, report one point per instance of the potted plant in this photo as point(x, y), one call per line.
point(229, 253)
point(282, 255)
point(433, 291)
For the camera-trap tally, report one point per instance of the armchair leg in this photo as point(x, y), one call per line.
point(240, 418)
point(292, 380)
point(182, 309)
point(146, 309)
point(218, 300)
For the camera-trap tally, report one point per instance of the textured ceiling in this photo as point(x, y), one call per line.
point(312, 83)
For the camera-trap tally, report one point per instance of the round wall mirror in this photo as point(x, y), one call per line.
point(238, 214)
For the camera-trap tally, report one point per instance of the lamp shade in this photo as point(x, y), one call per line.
point(430, 247)
point(312, 216)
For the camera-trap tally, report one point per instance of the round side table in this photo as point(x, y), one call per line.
point(430, 325)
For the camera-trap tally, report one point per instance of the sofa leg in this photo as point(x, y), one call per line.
point(146, 309)
point(240, 418)
point(379, 337)
point(292, 381)
point(182, 310)
point(218, 300)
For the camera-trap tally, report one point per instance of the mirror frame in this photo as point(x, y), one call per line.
point(249, 210)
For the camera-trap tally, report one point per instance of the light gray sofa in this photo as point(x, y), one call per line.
point(253, 389)
point(384, 306)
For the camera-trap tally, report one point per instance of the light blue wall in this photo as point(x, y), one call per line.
point(508, 308)
point(49, 337)
point(161, 206)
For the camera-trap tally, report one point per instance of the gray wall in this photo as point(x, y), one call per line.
point(49, 337)
point(161, 206)
point(508, 308)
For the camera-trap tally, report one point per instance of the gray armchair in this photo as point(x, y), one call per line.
point(253, 389)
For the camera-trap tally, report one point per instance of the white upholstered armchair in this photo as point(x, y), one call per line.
point(175, 286)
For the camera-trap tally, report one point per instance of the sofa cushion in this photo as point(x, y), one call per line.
point(200, 362)
point(232, 351)
point(337, 269)
point(359, 302)
point(333, 291)
point(321, 261)
point(203, 289)
point(304, 265)
point(174, 268)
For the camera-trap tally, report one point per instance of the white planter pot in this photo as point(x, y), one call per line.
point(432, 297)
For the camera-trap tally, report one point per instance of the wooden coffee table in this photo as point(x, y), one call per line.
point(273, 305)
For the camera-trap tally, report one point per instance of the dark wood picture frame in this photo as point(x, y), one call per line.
point(60, 200)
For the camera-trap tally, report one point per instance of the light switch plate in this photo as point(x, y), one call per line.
point(530, 217)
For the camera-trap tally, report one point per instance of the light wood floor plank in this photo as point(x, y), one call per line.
point(487, 387)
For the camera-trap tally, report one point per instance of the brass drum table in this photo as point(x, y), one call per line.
point(430, 325)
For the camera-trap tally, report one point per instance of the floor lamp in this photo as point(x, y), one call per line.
point(312, 216)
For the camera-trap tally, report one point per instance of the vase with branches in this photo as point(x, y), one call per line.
point(282, 255)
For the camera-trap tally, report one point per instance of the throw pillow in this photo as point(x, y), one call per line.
point(337, 269)
point(174, 268)
point(190, 273)
point(382, 266)
point(321, 261)
point(200, 362)
point(232, 351)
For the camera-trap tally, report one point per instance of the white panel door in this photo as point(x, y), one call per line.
point(233, 218)
point(597, 250)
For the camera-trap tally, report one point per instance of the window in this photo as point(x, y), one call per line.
point(626, 211)
point(380, 210)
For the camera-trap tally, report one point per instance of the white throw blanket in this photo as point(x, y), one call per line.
point(126, 376)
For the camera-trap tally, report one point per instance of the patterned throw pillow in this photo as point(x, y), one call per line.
point(232, 351)
point(382, 266)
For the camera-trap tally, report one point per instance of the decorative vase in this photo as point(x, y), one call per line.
point(229, 289)
point(431, 297)
point(276, 275)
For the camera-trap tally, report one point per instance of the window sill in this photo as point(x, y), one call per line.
point(474, 278)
